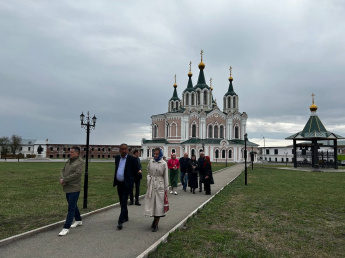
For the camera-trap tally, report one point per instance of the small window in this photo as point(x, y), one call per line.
point(64, 156)
point(21, 148)
point(92, 156)
point(217, 154)
point(267, 151)
point(282, 159)
point(57, 155)
point(51, 156)
point(29, 148)
point(223, 154)
point(69, 149)
point(109, 150)
point(276, 151)
point(108, 156)
point(102, 156)
point(92, 149)
point(68, 156)
point(173, 151)
point(57, 148)
point(98, 156)
point(51, 148)
point(103, 149)
point(230, 154)
point(99, 149)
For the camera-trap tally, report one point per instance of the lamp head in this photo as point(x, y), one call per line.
point(246, 137)
point(94, 119)
point(82, 116)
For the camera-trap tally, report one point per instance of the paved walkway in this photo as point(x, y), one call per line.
point(98, 236)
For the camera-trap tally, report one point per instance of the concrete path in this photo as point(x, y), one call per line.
point(98, 237)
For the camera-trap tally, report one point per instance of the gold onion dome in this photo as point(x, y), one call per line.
point(211, 88)
point(175, 85)
point(201, 65)
point(190, 74)
point(313, 107)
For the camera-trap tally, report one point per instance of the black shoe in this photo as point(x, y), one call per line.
point(200, 190)
point(125, 220)
point(208, 193)
point(153, 224)
point(155, 228)
point(184, 189)
point(138, 204)
point(193, 191)
point(190, 189)
point(131, 203)
point(119, 226)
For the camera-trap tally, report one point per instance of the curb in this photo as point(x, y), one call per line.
point(164, 238)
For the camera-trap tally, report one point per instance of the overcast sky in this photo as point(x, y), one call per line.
point(117, 59)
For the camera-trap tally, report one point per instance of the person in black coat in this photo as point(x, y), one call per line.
point(193, 170)
point(137, 179)
point(208, 177)
point(126, 169)
point(201, 161)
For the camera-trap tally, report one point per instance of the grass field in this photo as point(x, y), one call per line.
point(280, 213)
point(31, 195)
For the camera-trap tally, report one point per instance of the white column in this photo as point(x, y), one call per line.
point(230, 129)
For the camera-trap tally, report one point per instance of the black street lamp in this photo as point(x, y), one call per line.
point(252, 157)
point(88, 124)
point(245, 158)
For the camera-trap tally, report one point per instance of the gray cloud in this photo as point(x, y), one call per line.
point(118, 60)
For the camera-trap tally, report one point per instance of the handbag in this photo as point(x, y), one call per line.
point(166, 202)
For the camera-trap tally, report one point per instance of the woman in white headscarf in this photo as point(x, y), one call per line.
point(157, 187)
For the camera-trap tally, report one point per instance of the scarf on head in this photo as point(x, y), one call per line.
point(160, 156)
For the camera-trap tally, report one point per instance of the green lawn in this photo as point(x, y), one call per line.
point(280, 213)
point(31, 195)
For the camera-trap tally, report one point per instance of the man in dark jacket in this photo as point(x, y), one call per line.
point(201, 161)
point(126, 169)
point(184, 162)
point(137, 179)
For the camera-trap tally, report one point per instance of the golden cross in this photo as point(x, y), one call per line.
point(230, 70)
point(313, 95)
point(201, 53)
point(175, 78)
point(190, 66)
point(210, 82)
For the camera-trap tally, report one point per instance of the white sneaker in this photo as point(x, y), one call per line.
point(76, 224)
point(171, 192)
point(64, 232)
point(175, 193)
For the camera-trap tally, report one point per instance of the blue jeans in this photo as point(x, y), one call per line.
point(73, 211)
point(184, 179)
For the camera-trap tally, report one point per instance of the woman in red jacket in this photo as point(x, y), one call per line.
point(173, 165)
point(208, 179)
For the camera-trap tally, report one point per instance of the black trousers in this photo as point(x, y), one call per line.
point(123, 193)
point(207, 186)
point(137, 191)
point(201, 177)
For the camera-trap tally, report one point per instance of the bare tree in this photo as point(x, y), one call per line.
point(16, 141)
point(5, 146)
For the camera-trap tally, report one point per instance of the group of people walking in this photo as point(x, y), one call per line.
point(128, 174)
point(190, 170)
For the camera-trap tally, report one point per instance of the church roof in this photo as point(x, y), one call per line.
point(162, 140)
point(216, 141)
point(190, 83)
point(314, 128)
point(231, 91)
point(175, 96)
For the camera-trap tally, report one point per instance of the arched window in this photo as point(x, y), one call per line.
point(198, 96)
point(194, 130)
point(172, 106)
point(217, 154)
point(167, 130)
point(210, 131)
point(187, 98)
point(234, 102)
point(205, 97)
point(173, 130)
point(223, 154)
point(221, 133)
point(236, 132)
point(215, 129)
point(193, 96)
point(148, 152)
point(229, 102)
point(173, 151)
point(230, 154)
point(192, 152)
point(152, 152)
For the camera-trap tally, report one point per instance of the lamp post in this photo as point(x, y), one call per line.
point(286, 153)
point(264, 146)
point(245, 158)
point(252, 157)
point(88, 124)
